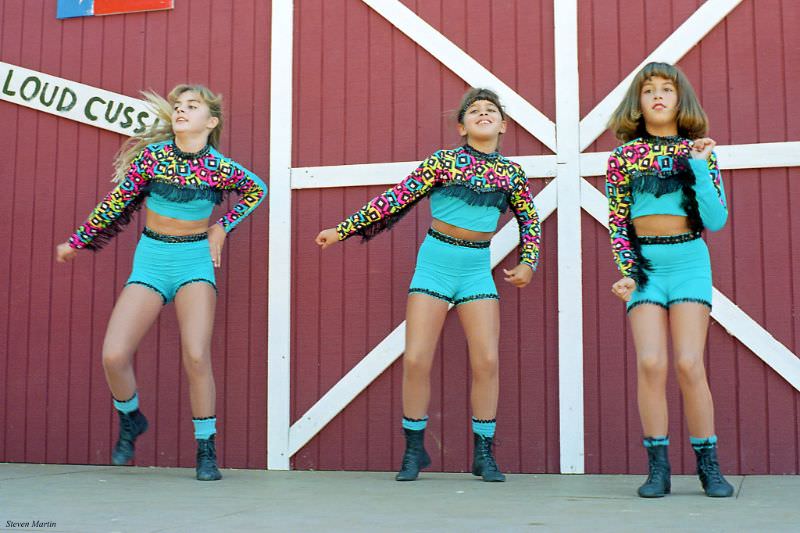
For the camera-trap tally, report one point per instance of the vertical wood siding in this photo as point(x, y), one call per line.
point(55, 405)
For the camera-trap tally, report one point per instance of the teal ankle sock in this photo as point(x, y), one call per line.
point(649, 442)
point(415, 424)
point(484, 428)
point(701, 443)
point(204, 427)
point(127, 406)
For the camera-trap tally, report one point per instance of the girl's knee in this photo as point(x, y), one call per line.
point(116, 359)
point(417, 363)
point(486, 365)
point(652, 364)
point(197, 359)
point(689, 367)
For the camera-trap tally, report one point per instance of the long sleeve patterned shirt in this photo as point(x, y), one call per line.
point(643, 177)
point(177, 176)
point(473, 176)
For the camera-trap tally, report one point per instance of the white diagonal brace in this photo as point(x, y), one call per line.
point(670, 51)
point(735, 321)
point(760, 341)
point(535, 166)
point(391, 347)
point(731, 157)
point(279, 328)
point(463, 65)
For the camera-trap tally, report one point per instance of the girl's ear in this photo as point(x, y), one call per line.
point(462, 131)
point(212, 123)
point(503, 126)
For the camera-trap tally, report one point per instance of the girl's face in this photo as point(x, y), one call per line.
point(482, 122)
point(191, 115)
point(658, 101)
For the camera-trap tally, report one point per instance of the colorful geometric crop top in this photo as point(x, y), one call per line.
point(179, 184)
point(650, 176)
point(472, 178)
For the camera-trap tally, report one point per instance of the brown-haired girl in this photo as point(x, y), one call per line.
point(468, 188)
point(664, 188)
point(176, 170)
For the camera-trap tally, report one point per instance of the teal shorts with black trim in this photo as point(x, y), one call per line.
point(680, 271)
point(165, 263)
point(454, 270)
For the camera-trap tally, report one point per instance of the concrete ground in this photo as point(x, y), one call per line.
point(90, 499)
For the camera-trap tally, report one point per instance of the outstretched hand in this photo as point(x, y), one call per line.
point(327, 237)
point(65, 252)
point(519, 276)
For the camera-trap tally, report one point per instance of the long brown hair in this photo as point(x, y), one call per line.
point(627, 122)
point(161, 130)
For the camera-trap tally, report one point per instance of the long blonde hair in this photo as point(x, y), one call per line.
point(627, 122)
point(161, 130)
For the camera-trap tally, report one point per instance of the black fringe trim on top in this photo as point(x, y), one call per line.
point(655, 184)
point(659, 183)
point(106, 234)
point(463, 191)
point(386, 223)
point(184, 193)
point(383, 224)
point(471, 195)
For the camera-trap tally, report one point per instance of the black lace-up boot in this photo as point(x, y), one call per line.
point(207, 460)
point(131, 425)
point(714, 484)
point(483, 463)
point(658, 481)
point(415, 457)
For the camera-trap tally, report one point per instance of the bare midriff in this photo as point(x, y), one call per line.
point(661, 225)
point(174, 226)
point(461, 233)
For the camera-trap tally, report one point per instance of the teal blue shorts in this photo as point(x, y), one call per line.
point(454, 270)
point(165, 263)
point(680, 271)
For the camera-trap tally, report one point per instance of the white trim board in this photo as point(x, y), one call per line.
point(535, 166)
point(570, 261)
point(279, 304)
point(730, 157)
